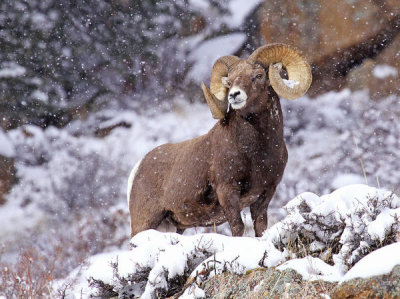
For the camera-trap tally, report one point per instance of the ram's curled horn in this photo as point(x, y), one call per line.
point(298, 70)
point(216, 96)
point(217, 107)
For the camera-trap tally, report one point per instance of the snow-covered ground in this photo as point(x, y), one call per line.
point(343, 227)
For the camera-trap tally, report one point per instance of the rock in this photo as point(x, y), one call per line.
point(381, 286)
point(264, 283)
point(319, 27)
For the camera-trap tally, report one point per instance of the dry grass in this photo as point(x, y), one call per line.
point(30, 276)
point(45, 258)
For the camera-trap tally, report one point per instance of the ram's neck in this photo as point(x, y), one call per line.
point(264, 124)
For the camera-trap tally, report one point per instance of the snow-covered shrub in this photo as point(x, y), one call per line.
point(337, 229)
point(162, 264)
point(341, 227)
point(333, 137)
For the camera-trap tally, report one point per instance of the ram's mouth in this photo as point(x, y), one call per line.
point(237, 104)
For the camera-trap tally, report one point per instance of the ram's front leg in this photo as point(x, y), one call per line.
point(228, 198)
point(259, 211)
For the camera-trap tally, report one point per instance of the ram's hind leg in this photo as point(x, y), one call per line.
point(143, 219)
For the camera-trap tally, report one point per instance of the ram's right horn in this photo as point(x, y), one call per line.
point(275, 56)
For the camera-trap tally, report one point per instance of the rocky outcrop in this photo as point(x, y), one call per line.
point(265, 283)
point(272, 283)
point(382, 286)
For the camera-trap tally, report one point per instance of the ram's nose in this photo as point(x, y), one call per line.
point(236, 94)
point(233, 95)
point(237, 97)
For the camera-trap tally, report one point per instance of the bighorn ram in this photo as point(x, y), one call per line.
point(209, 179)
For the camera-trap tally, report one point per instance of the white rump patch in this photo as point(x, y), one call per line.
point(130, 180)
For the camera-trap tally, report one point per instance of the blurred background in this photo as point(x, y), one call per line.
point(88, 87)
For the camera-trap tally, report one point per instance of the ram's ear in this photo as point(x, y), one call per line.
point(226, 82)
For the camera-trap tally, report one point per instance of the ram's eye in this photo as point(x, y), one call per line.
point(259, 76)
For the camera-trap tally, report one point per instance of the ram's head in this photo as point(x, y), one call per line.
point(238, 82)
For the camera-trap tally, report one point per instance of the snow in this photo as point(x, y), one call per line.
point(382, 71)
point(239, 10)
point(40, 95)
point(199, 4)
point(193, 292)
point(290, 83)
point(345, 179)
point(6, 147)
point(312, 268)
point(167, 255)
point(96, 266)
point(12, 70)
point(378, 262)
point(347, 212)
point(159, 258)
point(209, 51)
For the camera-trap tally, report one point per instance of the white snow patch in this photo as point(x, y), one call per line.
point(312, 268)
point(345, 179)
point(6, 147)
point(40, 95)
point(382, 71)
point(199, 4)
point(239, 10)
point(193, 292)
point(12, 70)
point(98, 266)
point(290, 83)
point(378, 262)
point(209, 51)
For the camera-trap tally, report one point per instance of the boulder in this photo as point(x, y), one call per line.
point(381, 286)
point(265, 283)
point(320, 27)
